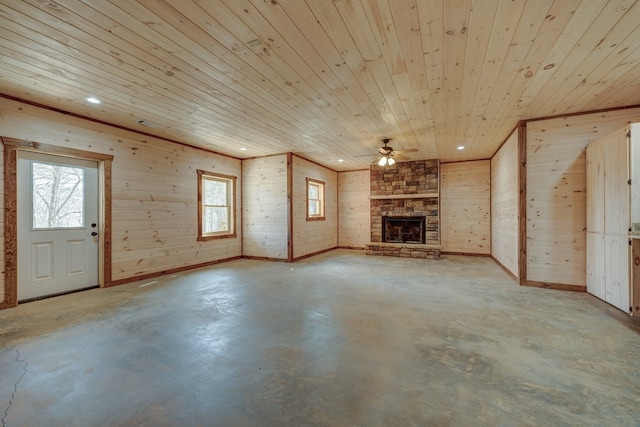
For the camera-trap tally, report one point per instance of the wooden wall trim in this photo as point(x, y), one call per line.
point(107, 175)
point(490, 208)
point(560, 116)
point(303, 158)
point(522, 202)
point(556, 286)
point(290, 207)
point(172, 271)
point(466, 254)
point(102, 122)
point(10, 225)
point(337, 207)
point(264, 157)
point(440, 204)
point(467, 161)
point(11, 147)
point(240, 226)
point(54, 149)
point(314, 162)
point(506, 139)
point(264, 258)
point(505, 269)
point(315, 253)
point(583, 113)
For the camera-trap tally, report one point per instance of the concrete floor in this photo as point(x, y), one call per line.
point(340, 339)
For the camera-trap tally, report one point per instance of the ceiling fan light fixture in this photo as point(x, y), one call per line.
point(390, 161)
point(382, 161)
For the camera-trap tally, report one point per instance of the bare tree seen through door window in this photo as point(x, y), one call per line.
point(58, 196)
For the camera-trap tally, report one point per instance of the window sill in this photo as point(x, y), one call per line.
point(315, 218)
point(216, 237)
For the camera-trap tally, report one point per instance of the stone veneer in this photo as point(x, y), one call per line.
point(405, 179)
point(404, 250)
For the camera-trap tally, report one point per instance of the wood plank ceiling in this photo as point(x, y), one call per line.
point(325, 79)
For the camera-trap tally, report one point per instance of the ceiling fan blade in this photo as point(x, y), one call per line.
point(381, 150)
point(408, 150)
point(400, 157)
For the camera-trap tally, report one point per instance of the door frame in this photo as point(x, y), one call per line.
point(11, 147)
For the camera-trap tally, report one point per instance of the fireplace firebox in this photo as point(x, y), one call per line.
point(403, 229)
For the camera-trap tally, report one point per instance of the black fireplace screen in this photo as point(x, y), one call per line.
point(405, 229)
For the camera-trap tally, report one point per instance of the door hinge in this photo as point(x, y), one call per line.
point(628, 134)
point(629, 182)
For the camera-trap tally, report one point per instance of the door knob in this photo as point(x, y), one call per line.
point(94, 233)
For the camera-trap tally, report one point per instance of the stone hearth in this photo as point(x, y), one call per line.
point(404, 250)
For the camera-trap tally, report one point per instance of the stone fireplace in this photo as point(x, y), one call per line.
point(404, 203)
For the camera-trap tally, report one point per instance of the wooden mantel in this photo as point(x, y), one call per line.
point(403, 196)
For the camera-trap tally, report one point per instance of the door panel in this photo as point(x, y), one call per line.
point(57, 213)
point(76, 257)
point(42, 261)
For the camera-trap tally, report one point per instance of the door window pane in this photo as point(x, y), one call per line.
point(58, 196)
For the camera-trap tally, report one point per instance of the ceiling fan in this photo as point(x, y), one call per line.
point(388, 155)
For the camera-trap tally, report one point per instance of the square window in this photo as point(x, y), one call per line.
point(315, 200)
point(58, 196)
point(216, 208)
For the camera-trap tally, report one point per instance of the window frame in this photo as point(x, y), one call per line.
point(230, 181)
point(321, 193)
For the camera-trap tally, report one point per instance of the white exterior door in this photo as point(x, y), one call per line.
point(57, 224)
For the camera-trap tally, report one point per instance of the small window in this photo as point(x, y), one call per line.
point(315, 200)
point(216, 209)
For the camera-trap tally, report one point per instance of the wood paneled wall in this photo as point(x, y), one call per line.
point(310, 237)
point(556, 193)
point(264, 207)
point(353, 209)
point(505, 192)
point(2, 218)
point(154, 195)
point(465, 207)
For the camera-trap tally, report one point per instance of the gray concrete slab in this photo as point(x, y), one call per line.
point(339, 339)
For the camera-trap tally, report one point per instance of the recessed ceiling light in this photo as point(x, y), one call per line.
point(340, 160)
point(93, 100)
point(460, 147)
point(147, 123)
point(243, 149)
